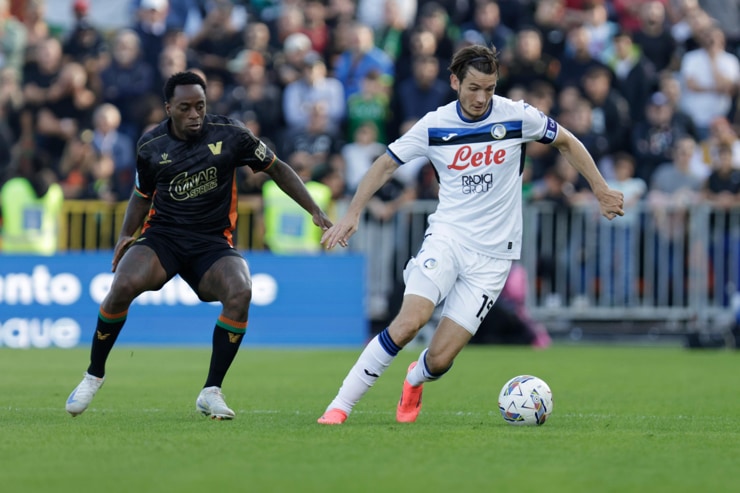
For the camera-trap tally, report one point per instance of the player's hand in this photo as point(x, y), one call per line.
point(123, 244)
point(611, 203)
point(339, 233)
point(322, 221)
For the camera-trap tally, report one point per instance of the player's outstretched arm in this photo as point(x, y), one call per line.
point(379, 173)
point(611, 202)
point(136, 212)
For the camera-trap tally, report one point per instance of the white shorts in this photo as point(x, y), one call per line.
point(469, 281)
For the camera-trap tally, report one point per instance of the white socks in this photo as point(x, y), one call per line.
point(372, 362)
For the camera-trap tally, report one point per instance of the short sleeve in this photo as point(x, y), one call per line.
point(537, 126)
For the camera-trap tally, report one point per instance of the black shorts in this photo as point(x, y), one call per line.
point(188, 254)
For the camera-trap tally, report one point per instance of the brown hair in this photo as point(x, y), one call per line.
point(481, 58)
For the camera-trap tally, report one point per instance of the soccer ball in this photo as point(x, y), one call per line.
point(525, 400)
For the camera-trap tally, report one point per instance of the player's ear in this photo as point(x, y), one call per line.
point(454, 82)
point(167, 108)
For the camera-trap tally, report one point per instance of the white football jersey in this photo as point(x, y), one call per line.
point(479, 165)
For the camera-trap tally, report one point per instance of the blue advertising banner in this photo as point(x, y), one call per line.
point(296, 301)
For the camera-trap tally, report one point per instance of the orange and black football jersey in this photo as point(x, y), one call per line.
point(192, 183)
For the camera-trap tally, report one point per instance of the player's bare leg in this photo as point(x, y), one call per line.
point(448, 340)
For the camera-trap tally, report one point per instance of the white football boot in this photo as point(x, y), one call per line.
point(211, 403)
point(83, 394)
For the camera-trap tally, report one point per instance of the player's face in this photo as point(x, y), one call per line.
point(474, 92)
point(187, 108)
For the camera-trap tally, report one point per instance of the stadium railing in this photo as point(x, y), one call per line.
point(668, 269)
point(91, 225)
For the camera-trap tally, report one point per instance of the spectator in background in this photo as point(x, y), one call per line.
point(727, 16)
point(150, 25)
point(609, 110)
point(288, 229)
point(14, 39)
point(710, 76)
point(289, 63)
point(128, 82)
point(11, 107)
point(528, 62)
point(257, 39)
point(579, 119)
point(632, 187)
point(30, 204)
point(634, 76)
point(722, 187)
point(377, 13)
point(654, 38)
point(601, 30)
point(314, 87)
point(721, 134)
point(172, 60)
point(392, 32)
point(116, 147)
point(76, 166)
point(434, 18)
point(422, 43)
point(679, 13)
point(618, 241)
point(653, 140)
point(359, 154)
point(317, 140)
point(670, 85)
point(315, 26)
point(577, 59)
point(550, 21)
point(37, 29)
point(67, 111)
point(361, 58)
point(85, 44)
point(253, 91)
point(416, 96)
point(487, 22)
point(39, 74)
point(217, 41)
point(673, 184)
point(370, 105)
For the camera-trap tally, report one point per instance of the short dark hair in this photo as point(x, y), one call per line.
point(482, 58)
point(182, 79)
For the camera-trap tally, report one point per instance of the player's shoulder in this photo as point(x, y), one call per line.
point(152, 138)
point(504, 104)
point(224, 123)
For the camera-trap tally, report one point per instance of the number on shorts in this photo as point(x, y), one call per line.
point(484, 307)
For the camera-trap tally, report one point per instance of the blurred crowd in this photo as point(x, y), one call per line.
point(649, 86)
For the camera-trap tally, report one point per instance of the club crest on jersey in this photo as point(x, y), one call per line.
point(430, 263)
point(498, 131)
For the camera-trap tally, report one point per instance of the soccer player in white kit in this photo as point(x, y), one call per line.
point(476, 145)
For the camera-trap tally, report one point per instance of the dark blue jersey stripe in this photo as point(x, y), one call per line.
point(486, 133)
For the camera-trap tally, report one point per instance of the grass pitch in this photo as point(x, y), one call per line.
point(625, 420)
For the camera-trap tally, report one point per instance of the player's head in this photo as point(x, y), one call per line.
point(185, 104)
point(474, 74)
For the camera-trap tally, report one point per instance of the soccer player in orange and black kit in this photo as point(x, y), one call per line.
point(185, 204)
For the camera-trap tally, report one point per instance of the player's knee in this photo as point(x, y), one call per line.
point(403, 330)
point(125, 288)
point(238, 299)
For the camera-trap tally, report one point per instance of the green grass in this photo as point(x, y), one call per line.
point(625, 420)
